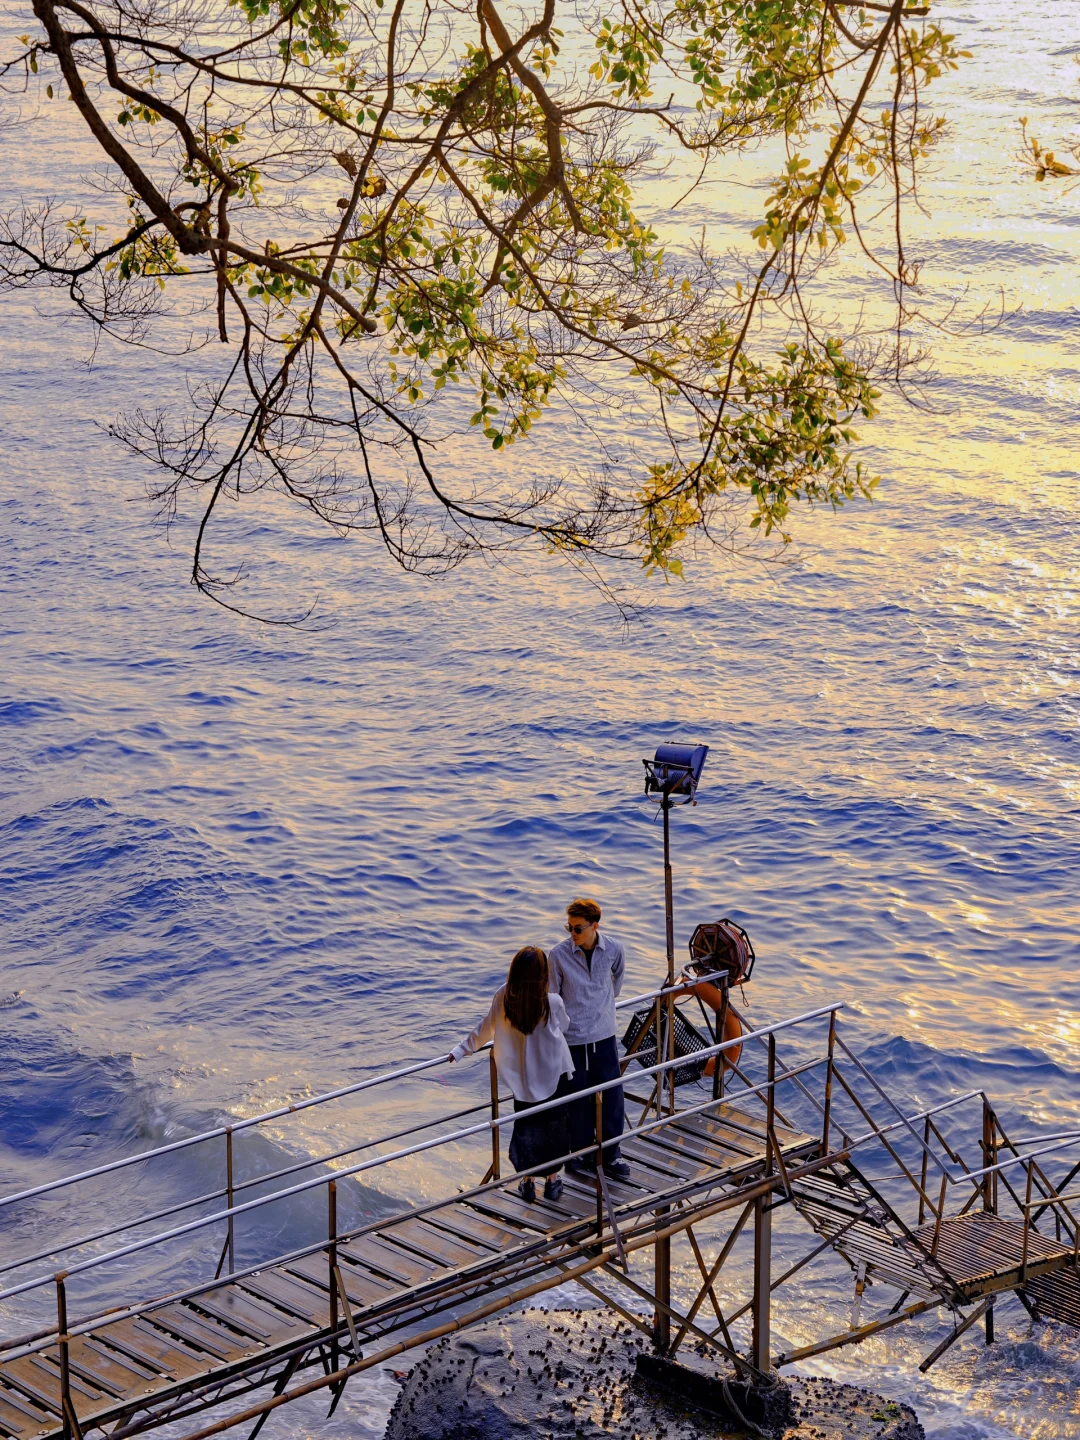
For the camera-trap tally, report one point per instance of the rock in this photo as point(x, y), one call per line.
point(572, 1375)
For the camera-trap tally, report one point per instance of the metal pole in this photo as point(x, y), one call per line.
point(721, 1034)
point(762, 1339)
point(659, 1058)
point(988, 1197)
point(662, 1248)
point(496, 1172)
point(923, 1174)
point(826, 1118)
point(67, 1410)
point(599, 1113)
point(669, 918)
point(662, 1286)
point(229, 1193)
point(331, 1250)
point(762, 1308)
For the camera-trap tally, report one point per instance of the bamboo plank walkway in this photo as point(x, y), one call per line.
point(138, 1372)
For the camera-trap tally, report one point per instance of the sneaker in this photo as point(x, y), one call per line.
point(527, 1189)
point(617, 1170)
point(581, 1168)
point(553, 1187)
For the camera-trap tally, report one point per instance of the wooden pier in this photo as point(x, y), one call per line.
point(311, 1319)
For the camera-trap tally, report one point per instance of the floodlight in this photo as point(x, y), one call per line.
point(671, 778)
point(672, 775)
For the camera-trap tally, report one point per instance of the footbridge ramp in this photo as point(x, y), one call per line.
point(229, 1347)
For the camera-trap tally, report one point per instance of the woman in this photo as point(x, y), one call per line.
point(526, 1022)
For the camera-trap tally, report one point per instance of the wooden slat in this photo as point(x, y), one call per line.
point(41, 1381)
point(109, 1372)
point(622, 1193)
point(400, 1266)
point(653, 1169)
point(661, 1158)
point(254, 1317)
point(731, 1145)
point(983, 1247)
point(20, 1417)
point(426, 1239)
point(468, 1225)
point(695, 1149)
point(505, 1205)
point(154, 1349)
point(1057, 1295)
point(291, 1294)
point(362, 1289)
point(179, 1319)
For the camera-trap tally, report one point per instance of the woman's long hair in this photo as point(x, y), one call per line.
point(525, 1001)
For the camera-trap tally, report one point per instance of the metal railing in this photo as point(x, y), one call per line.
point(229, 1214)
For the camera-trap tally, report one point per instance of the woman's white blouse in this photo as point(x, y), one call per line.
point(530, 1064)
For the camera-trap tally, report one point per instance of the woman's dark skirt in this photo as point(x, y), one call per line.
point(539, 1142)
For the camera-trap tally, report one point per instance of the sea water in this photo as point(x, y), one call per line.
point(241, 864)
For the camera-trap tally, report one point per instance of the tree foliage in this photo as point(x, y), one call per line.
point(403, 215)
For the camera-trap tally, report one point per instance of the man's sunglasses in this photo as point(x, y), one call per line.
point(578, 929)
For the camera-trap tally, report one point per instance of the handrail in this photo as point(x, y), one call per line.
point(208, 1195)
point(946, 1172)
point(455, 1135)
point(275, 1114)
point(1022, 1159)
point(921, 1115)
point(234, 1126)
point(87, 1323)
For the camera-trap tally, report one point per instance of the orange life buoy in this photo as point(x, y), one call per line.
point(732, 1031)
point(713, 996)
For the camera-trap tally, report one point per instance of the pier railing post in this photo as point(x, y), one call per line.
point(924, 1170)
point(662, 1286)
point(762, 1297)
point(989, 1197)
point(331, 1251)
point(762, 1338)
point(69, 1420)
point(599, 1113)
point(229, 1191)
point(721, 1036)
point(669, 919)
point(826, 1118)
point(658, 1059)
point(496, 1164)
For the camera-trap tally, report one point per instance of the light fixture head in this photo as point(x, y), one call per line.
point(673, 773)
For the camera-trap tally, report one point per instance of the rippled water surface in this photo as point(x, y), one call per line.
point(239, 864)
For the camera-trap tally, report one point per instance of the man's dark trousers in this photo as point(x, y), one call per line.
point(593, 1064)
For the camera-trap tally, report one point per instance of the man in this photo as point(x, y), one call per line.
point(587, 971)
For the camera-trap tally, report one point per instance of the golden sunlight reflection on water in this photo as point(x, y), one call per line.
point(248, 865)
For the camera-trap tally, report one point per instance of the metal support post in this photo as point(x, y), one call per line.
point(924, 1171)
point(331, 1251)
point(230, 1195)
point(69, 1419)
point(827, 1116)
point(496, 1171)
point(658, 1059)
point(599, 1112)
point(721, 1036)
point(762, 1339)
point(669, 922)
point(988, 1159)
point(662, 1287)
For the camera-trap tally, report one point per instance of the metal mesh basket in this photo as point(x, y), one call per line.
point(688, 1041)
